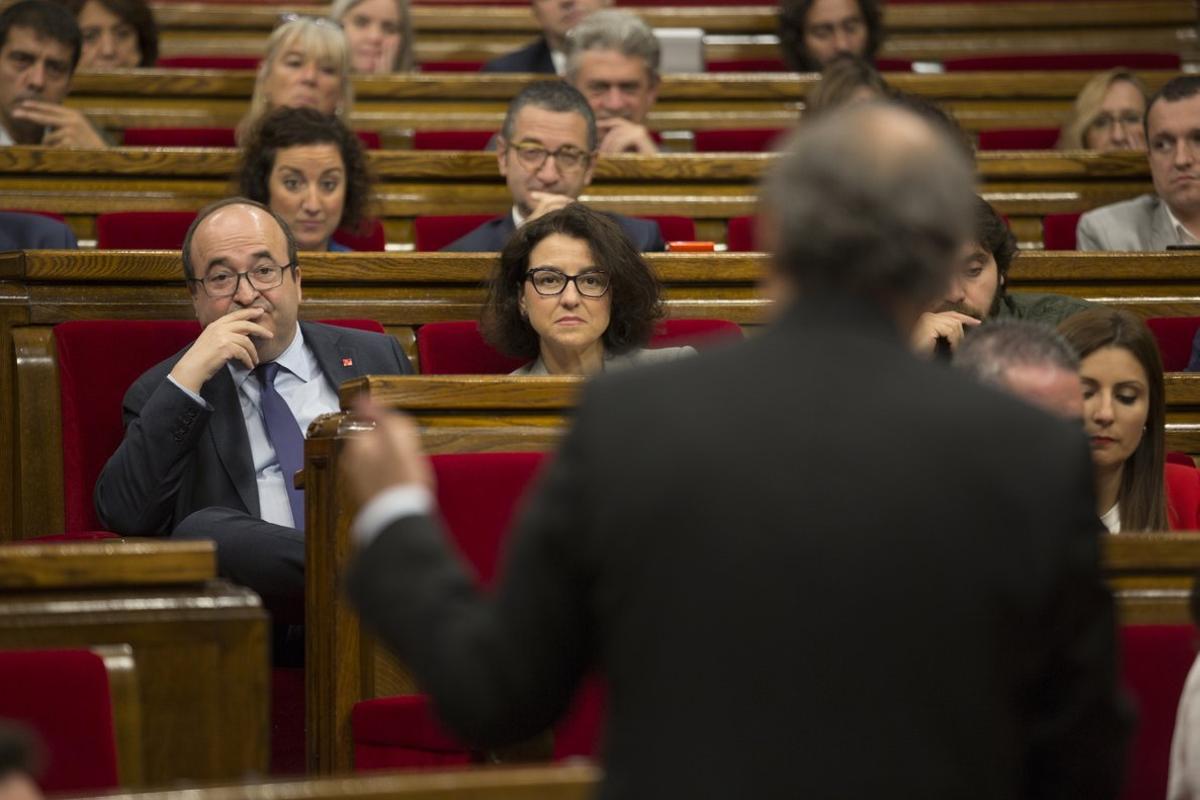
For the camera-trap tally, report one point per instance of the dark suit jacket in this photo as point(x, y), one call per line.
point(34, 232)
point(492, 235)
point(178, 458)
point(837, 571)
point(534, 57)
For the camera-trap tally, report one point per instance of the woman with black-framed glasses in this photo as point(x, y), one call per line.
point(570, 292)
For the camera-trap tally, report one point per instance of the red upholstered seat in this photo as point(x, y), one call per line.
point(369, 139)
point(1058, 231)
point(1174, 336)
point(180, 137)
point(451, 140)
point(432, 233)
point(63, 696)
point(142, 230)
point(209, 62)
point(675, 229)
point(743, 140)
point(739, 235)
point(770, 64)
point(1155, 660)
point(458, 348)
point(1063, 61)
point(1019, 139)
point(373, 239)
point(454, 66)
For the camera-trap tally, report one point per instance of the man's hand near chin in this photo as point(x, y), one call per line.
point(934, 325)
point(545, 202)
point(619, 135)
point(223, 340)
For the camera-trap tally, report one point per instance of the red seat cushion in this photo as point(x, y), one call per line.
point(675, 229)
point(142, 230)
point(372, 239)
point(180, 137)
point(63, 696)
point(209, 62)
point(744, 140)
point(1019, 139)
point(739, 235)
point(451, 140)
point(1058, 231)
point(453, 66)
point(1174, 336)
point(1063, 61)
point(1155, 661)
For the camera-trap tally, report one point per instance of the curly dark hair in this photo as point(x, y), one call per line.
point(135, 13)
point(634, 288)
point(793, 15)
point(297, 127)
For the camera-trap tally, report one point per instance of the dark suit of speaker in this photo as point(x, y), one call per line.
point(187, 471)
point(34, 232)
point(491, 236)
point(534, 57)
point(810, 566)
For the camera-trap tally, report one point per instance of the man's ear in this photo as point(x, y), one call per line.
point(296, 278)
point(502, 155)
point(587, 176)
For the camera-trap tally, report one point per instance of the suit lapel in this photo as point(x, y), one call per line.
point(232, 443)
point(338, 360)
point(1162, 231)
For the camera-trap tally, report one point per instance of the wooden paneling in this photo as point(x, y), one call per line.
point(89, 564)
point(125, 694)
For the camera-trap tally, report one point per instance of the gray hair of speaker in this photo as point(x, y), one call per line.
point(613, 29)
point(870, 201)
point(556, 95)
point(1000, 345)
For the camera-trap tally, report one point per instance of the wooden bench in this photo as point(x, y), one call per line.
point(709, 188)
point(1151, 574)
point(567, 782)
point(404, 291)
point(396, 105)
point(925, 32)
point(200, 646)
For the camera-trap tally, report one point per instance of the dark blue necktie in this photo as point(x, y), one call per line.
point(285, 435)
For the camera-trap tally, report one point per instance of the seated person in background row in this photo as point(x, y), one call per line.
point(307, 65)
point(570, 292)
point(814, 32)
point(978, 292)
point(309, 169)
point(117, 34)
point(1124, 412)
point(846, 79)
point(1170, 216)
point(545, 54)
point(214, 434)
point(1109, 114)
point(20, 231)
point(547, 152)
point(613, 59)
point(379, 34)
point(1031, 361)
point(39, 50)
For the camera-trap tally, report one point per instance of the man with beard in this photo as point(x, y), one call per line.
point(978, 292)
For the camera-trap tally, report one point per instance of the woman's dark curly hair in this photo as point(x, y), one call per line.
point(135, 13)
point(298, 127)
point(636, 296)
point(794, 13)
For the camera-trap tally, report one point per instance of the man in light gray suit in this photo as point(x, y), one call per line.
point(1170, 216)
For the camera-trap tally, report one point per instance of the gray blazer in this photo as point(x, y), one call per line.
point(633, 358)
point(491, 236)
point(1129, 226)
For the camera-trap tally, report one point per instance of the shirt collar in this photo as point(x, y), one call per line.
point(5, 137)
point(1182, 234)
point(518, 220)
point(295, 359)
point(559, 59)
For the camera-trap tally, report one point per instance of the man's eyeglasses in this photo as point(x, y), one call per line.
point(224, 283)
point(549, 282)
point(568, 158)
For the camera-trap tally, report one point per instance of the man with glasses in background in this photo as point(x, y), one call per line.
point(546, 151)
point(1170, 217)
point(214, 434)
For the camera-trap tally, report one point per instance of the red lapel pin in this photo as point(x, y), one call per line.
point(347, 362)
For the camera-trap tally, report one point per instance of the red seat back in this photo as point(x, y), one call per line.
point(1155, 660)
point(63, 696)
point(675, 229)
point(209, 62)
point(744, 140)
point(458, 348)
point(1019, 139)
point(142, 230)
point(452, 66)
point(372, 239)
point(1063, 61)
point(432, 233)
point(180, 137)
point(1058, 231)
point(1174, 336)
point(451, 140)
point(739, 235)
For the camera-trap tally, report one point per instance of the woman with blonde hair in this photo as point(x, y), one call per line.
point(307, 65)
point(1108, 114)
point(379, 34)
